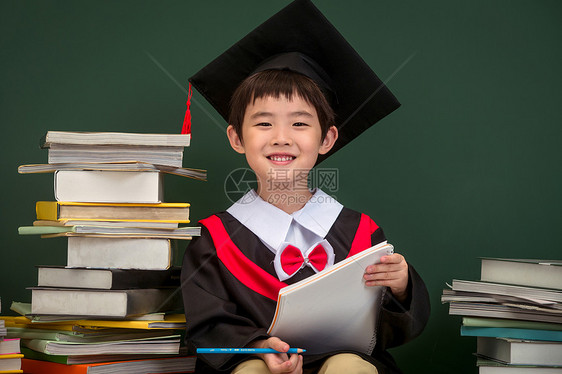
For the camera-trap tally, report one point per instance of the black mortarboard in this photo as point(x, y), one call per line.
point(300, 38)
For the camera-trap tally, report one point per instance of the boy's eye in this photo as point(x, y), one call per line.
point(263, 124)
point(300, 124)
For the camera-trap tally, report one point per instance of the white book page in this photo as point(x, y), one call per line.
point(333, 309)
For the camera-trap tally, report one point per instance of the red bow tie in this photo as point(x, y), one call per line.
point(292, 259)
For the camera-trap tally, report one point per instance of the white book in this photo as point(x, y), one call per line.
point(10, 363)
point(114, 138)
point(184, 233)
point(62, 277)
point(169, 345)
point(66, 153)
point(108, 186)
point(524, 272)
point(520, 352)
point(94, 303)
point(507, 311)
point(306, 318)
point(126, 253)
point(532, 294)
point(113, 166)
point(510, 369)
point(9, 346)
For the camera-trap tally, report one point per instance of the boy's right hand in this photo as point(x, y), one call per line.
point(279, 362)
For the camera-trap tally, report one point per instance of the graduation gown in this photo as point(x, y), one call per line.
point(230, 295)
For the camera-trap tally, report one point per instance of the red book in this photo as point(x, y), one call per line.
point(181, 364)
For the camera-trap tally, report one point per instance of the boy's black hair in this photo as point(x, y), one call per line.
point(276, 84)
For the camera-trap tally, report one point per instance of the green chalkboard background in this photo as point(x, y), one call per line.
point(469, 166)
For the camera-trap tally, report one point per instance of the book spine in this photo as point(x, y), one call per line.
point(47, 210)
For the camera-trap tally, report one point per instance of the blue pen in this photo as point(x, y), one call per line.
point(247, 350)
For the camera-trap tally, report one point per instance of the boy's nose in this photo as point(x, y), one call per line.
point(281, 137)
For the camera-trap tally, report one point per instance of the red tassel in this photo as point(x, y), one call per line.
point(186, 128)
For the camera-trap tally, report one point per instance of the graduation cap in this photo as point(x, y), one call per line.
point(301, 39)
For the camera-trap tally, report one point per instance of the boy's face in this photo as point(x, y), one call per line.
point(282, 140)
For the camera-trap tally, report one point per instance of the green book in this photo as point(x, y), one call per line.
point(44, 230)
point(512, 333)
point(88, 359)
point(510, 323)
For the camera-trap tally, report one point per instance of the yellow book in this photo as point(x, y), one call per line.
point(161, 212)
point(169, 321)
point(24, 322)
point(19, 321)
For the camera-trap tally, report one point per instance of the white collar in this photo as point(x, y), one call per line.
point(271, 224)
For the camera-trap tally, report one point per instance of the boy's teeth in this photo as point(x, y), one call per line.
point(281, 158)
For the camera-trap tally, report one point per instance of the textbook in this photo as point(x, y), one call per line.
point(59, 276)
point(114, 138)
point(512, 333)
point(3, 330)
point(102, 303)
point(520, 352)
point(509, 323)
point(9, 346)
point(93, 336)
point(88, 359)
point(533, 273)
point(143, 224)
point(108, 186)
point(532, 294)
point(486, 366)
point(161, 345)
point(171, 321)
point(71, 153)
point(185, 233)
point(167, 212)
point(24, 309)
point(120, 253)
point(10, 363)
point(333, 309)
point(180, 364)
point(476, 309)
point(113, 166)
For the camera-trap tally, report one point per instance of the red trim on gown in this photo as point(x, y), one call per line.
point(253, 276)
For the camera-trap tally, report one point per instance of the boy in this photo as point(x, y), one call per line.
point(280, 117)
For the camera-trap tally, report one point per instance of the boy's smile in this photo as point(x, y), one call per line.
point(281, 139)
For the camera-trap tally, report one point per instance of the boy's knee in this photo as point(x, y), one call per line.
point(347, 363)
point(253, 366)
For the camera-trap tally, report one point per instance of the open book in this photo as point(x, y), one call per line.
point(333, 309)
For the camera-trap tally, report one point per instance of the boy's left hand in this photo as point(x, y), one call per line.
point(392, 272)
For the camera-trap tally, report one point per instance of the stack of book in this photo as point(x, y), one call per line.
point(10, 353)
point(515, 311)
point(108, 191)
point(101, 346)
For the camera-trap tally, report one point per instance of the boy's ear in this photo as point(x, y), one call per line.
point(234, 139)
point(329, 140)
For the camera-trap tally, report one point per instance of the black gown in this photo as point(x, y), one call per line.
point(229, 296)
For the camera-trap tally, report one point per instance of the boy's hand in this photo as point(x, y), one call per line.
point(279, 362)
point(391, 272)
